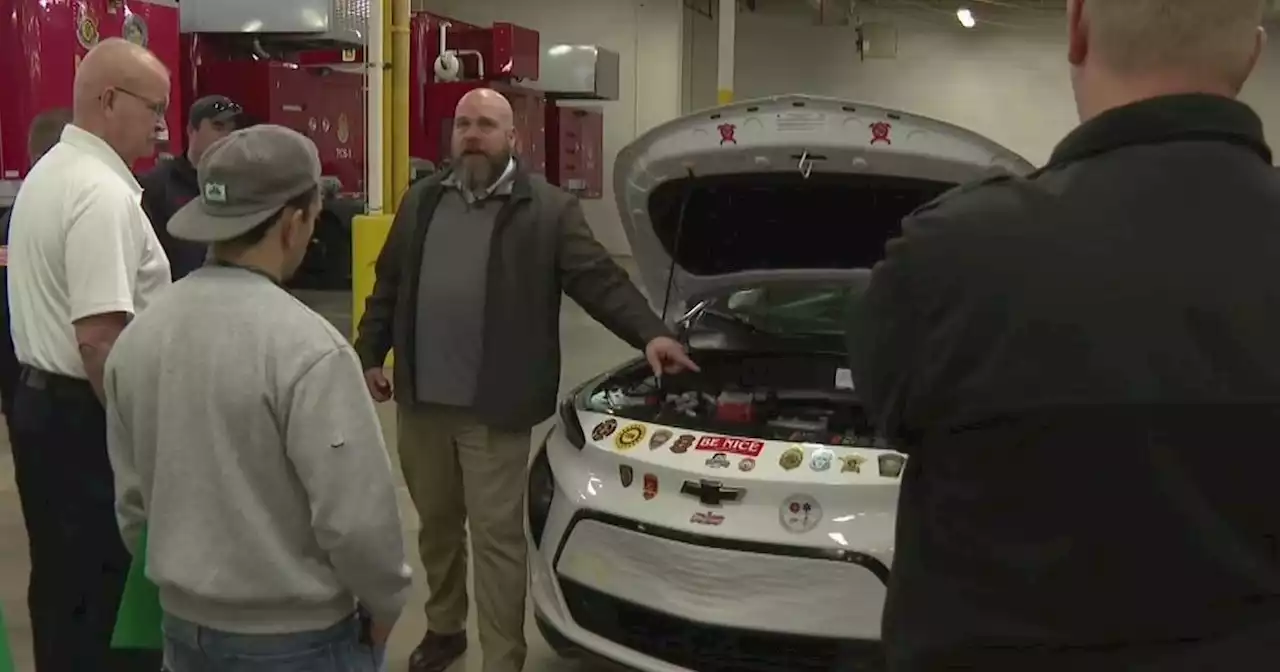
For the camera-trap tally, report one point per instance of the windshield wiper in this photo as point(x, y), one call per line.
point(738, 320)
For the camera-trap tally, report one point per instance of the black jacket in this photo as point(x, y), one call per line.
point(1084, 366)
point(165, 189)
point(9, 366)
point(541, 246)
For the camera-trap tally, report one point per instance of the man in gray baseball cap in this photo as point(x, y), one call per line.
point(276, 517)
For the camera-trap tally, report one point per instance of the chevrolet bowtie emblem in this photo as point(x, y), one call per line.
point(712, 493)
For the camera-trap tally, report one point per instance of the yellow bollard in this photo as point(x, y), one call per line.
point(368, 233)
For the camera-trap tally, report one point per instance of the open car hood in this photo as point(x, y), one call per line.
point(790, 188)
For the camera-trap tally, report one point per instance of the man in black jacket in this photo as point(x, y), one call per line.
point(1084, 368)
point(172, 183)
point(41, 137)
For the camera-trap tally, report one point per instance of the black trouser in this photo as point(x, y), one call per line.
point(78, 562)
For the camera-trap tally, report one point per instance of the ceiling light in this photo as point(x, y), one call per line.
point(966, 18)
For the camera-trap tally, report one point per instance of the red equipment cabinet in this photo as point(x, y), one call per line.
point(323, 102)
point(507, 51)
point(576, 135)
point(41, 45)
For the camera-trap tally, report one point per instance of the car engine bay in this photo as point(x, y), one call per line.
point(807, 398)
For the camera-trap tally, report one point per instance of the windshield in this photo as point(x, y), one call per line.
point(793, 308)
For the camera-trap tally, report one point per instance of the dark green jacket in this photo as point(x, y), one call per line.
point(541, 246)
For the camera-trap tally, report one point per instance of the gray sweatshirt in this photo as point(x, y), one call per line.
point(242, 435)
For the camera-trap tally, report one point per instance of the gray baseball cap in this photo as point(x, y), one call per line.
point(245, 178)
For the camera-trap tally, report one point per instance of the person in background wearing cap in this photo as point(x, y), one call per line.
point(41, 137)
point(172, 183)
point(242, 435)
point(83, 260)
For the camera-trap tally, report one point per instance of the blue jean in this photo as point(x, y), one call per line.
point(193, 648)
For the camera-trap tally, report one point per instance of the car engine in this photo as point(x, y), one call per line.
point(801, 398)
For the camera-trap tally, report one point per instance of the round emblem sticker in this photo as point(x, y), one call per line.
point(683, 444)
point(821, 460)
point(747, 464)
point(629, 437)
point(87, 31)
point(135, 30)
point(792, 458)
point(659, 439)
point(604, 430)
point(800, 514)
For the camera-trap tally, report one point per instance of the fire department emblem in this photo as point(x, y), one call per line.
point(629, 437)
point(728, 133)
point(135, 30)
point(880, 132)
point(344, 128)
point(87, 30)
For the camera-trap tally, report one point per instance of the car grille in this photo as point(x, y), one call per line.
point(710, 648)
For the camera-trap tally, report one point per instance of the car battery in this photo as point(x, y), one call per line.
point(737, 407)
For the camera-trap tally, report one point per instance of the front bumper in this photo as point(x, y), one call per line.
point(662, 600)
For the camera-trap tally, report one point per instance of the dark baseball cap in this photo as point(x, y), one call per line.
point(245, 178)
point(214, 108)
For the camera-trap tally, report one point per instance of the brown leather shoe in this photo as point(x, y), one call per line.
point(437, 652)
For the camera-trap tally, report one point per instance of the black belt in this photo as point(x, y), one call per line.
point(56, 383)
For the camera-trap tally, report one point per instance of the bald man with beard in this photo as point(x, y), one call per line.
point(468, 292)
point(83, 259)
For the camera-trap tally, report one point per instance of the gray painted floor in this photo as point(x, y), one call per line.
point(588, 349)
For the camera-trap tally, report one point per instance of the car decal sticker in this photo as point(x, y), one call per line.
point(683, 444)
point(799, 514)
point(718, 461)
point(627, 474)
point(891, 465)
point(821, 459)
point(659, 439)
point(706, 518)
point(852, 464)
point(650, 486)
point(728, 444)
point(603, 430)
point(629, 437)
point(791, 459)
point(746, 464)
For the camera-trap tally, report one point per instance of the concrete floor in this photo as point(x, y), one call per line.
point(588, 349)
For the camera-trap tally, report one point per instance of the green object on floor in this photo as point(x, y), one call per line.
point(6, 653)
point(139, 621)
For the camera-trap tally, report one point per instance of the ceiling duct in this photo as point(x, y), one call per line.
point(833, 12)
point(303, 23)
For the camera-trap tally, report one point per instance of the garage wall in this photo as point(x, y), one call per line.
point(1009, 82)
point(650, 85)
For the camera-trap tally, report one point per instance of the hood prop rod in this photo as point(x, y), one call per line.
point(682, 334)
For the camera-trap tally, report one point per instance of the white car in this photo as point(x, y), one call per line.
point(741, 518)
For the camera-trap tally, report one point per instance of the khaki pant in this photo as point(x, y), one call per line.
point(460, 471)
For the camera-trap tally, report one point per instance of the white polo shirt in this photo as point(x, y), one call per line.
point(79, 245)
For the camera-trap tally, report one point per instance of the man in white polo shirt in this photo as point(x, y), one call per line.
point(82, 261)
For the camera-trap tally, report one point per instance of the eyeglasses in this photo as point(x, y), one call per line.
point(157, 108)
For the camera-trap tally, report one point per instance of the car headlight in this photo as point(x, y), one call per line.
point(542, 490)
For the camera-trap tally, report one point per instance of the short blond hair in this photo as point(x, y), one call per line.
point(1134, 36)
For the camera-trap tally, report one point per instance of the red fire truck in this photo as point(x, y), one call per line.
point(300, 64)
